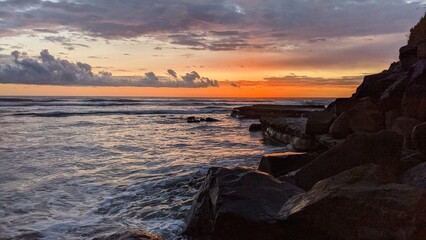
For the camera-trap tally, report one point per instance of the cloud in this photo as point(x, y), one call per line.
point(215, 25)
point(295, 80)
point(48, 70)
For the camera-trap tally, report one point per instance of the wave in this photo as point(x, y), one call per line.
point(105, 113)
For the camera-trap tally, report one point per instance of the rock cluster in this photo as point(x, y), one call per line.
point(361, 175)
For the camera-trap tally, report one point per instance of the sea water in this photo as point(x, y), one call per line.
point(78, 168)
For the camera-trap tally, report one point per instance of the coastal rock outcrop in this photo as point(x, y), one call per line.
point(289, 131)
point(360, 148)
point(361, 203)
point(265, 110)
point(238, 203)
point(130, 235)
point(319, 122)
point(278, 164)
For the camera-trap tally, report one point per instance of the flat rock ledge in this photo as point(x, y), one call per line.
point(264, 110)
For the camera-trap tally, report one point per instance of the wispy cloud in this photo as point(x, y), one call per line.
point(49, 70)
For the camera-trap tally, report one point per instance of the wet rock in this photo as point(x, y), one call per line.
point(419, 137)
point(408, 56)
point(361, 203)
point(258, 111)
point(32, 235)
point(209, 119)
point(415, 176)
point(363, 117)
point(404, 127)
point(360, 148)
point(328, 141)
point(255, 127)
point(238, 203)
point(289, 131)
point(319, 122)
point(130, 235)
point(278, 164)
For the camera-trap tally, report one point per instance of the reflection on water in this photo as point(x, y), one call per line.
point(95, 169)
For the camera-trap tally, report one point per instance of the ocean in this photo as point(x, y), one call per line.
point(82, 167)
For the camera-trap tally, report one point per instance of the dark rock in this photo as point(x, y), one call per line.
point(255, 127)
point(404, 127)
point(209, 119)
point(421, 50)
point(419, 137)
point(328, 141)
point(190, 118)
point(363, 117)
point(238, 203)
point(393, 95)
point(278, 164)
point(289, 131)
point(319, 122)
point(360, 148)
point(390, 117)
point(415, 176)
point(361, 203)
point(130, 235)
point(408, 56)
point(258, 111)
point(373, 86)
point(193, 121)
point(32, 235)
point(342, 105)
point(410, 161)
point(414, 101)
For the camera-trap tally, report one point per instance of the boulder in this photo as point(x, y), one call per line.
point(341, 105)
point(382, 148)
point(419, 137)
point(390, 117)
point(404, 126)
point(373, 86)
point(414, 101)
point(393, 95)
point(415, 176)
point(421, 50)
point(363, 117)
point(319, 122)
point(255, 127)
point(361, 203)
point(327, 141)
point(238, 203)
point(289, 131)
point(408, 56)
point(209, 119)
point(278, 164)
point(130, 235)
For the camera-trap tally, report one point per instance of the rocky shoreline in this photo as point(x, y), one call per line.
point(358, 170)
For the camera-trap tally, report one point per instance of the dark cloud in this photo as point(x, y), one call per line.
point(48, 70)
point(172, 73)
point(65, 41)
point(217, 24)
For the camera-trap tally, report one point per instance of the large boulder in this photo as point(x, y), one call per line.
point(372, 85)
point(289, 131)
point(393, 95)
point(363, 117)
point(267, 110)
point(415, 176)
point(361, 203)
point(360, 148)
point(130, 235)
point(278, 164)
point(404, 127)
point(408, 56)
point(238, 203)
point(419, 137)
point(414, 101)
point(319, 122)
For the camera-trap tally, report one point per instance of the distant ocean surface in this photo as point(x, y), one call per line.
point(78, 168)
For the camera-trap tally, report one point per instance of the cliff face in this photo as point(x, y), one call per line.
point(418, 33)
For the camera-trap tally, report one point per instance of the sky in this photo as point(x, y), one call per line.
point(199, 48)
